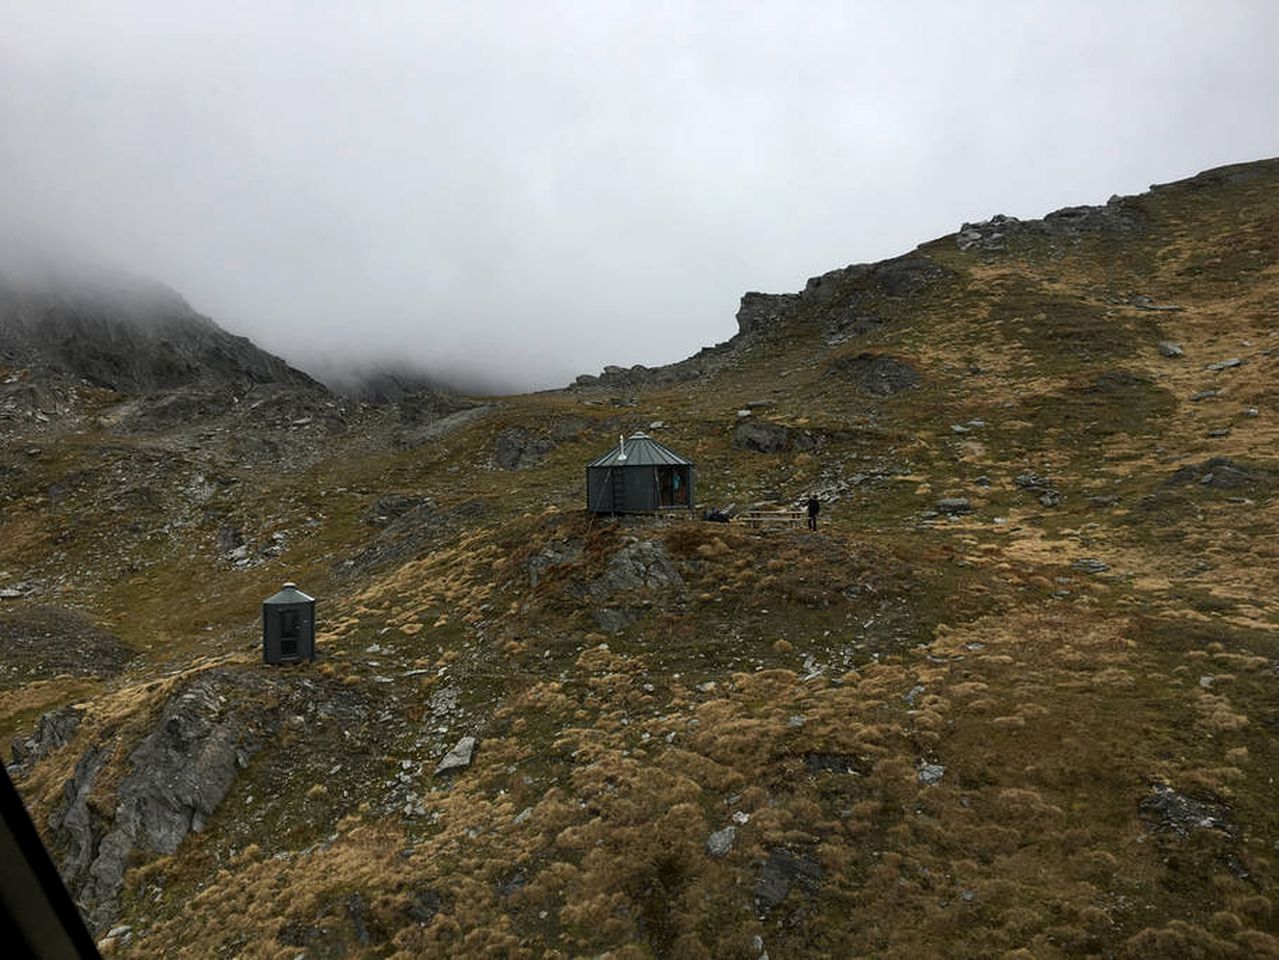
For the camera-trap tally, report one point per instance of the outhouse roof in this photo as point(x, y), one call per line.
point(290, 594)
point(641, 451)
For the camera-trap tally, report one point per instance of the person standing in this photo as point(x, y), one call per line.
point(814, 507)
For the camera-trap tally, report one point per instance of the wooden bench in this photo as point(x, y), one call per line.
point(772, 518)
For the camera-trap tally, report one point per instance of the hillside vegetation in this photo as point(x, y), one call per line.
point(1017, 697)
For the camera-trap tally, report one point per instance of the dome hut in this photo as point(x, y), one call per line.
point(639, 475)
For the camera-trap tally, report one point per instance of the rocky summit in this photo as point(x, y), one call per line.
point(1017, 696)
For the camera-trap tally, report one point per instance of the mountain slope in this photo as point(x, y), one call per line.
point(1016, 698)
point(127, 335)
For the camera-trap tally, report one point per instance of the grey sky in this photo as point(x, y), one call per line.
point(537, 189)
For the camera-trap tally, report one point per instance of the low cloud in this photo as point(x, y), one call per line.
point(512, 194)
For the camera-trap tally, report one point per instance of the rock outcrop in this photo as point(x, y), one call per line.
point(640, 566)
point(644, 564)
point(903, 276)
point(557, 553)
point(762, 311)
point(874, 375)
point(54, 730)
point(843, 303)
point(518, 449)
point(1118, 215)
point(176, 777)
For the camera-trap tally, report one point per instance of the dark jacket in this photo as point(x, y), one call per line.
point(814, 507)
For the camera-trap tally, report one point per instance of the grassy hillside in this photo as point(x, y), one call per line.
point(1041, 725)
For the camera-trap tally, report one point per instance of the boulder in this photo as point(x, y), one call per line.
point(417, 433)
point(1090, 565)
point(719, 843)
point(1042, 487)
point(762, 436)
point(459, 758)
point(179, 409)
point(930, 774)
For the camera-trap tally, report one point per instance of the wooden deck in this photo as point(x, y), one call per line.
point(772, 518)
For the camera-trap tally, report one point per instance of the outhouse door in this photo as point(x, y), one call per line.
point(290, 631)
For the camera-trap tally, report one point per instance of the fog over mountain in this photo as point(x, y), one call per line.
point(515, 193)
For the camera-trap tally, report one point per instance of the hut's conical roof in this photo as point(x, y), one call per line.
point(290, 594)
point(641, 451)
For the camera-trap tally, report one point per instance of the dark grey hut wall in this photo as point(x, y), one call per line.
point(599, 490)
point(621, 489)
point(271, 635)
point(641, 488)
point(629, 489)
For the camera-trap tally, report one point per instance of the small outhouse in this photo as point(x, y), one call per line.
point(288, 626)
point(639, 475)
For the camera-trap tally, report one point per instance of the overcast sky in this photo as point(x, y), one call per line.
point(532, 190)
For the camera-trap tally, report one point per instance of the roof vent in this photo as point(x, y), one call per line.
point(290, 585)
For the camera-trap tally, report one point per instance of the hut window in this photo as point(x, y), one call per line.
point(288, 624)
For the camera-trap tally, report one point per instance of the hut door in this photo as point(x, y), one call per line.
point(679, 486)
point(665, 486)
point(289, 633)
point(672, 486)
